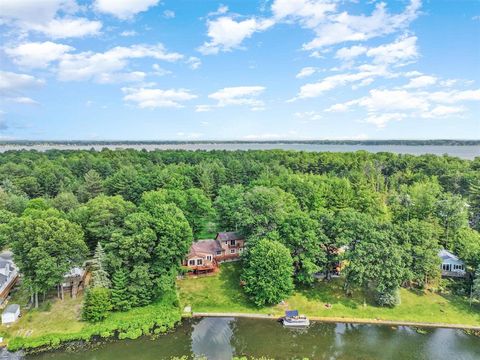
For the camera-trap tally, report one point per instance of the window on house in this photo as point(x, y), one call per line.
point(191, 262)
point(209, 257)
point(232, 251)
point(199, 261)
point(232, 242)
point(219, 252)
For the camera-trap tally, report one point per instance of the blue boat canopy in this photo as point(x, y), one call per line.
point(291, 313)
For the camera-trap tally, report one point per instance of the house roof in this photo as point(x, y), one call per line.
point(75, 271)
point(447, 255)
point(208, 246)
point(229, 235)
point(12, 308)
point(3, 279)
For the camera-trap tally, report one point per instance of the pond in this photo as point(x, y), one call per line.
point(222, 338)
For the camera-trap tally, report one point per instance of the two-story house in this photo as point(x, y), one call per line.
point(205, 255)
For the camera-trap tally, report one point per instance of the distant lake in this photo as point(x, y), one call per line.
point(222, 338)
point(463, 152)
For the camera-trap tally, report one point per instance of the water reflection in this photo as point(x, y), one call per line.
point(223, 338)
point(211, 337)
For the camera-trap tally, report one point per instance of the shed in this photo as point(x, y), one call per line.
point(11, 314)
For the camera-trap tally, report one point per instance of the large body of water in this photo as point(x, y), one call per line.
point(464, 152)
point(222, 338)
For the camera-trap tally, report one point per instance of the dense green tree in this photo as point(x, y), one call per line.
point(196, 207)
point(65, 201)
point(466, 245)
point(127, 182)
point(229, 204)
point(377, 264)
point(92, 186)
point(96, 305)
point(120, 298)
point(268, 273)
point(101, 216)
point(452, 213)
point(100, 276)
point(150, 248)
point(264, 210)
point(45, 248)
point(300, 234)
point(419, 240)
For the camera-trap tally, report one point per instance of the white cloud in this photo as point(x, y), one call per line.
point(67, 28)
point(146, 98)
point(34, 11)
point(12, 86)
point(42, 17)
point(37, 54)
point(238, 95)
point(309, 13)
point(127, 33)
point(421, 81)
point(226, 33)
point(103, 66)
point(403, 49)
point(305, 72)
point(350, 52)
point(383, 106)
point(366, 74)
point(194, 62)
point(159, 71)
point(169, 14)
point(123, 9)
point(343, 27)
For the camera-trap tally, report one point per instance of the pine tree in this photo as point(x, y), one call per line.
point(99, 275)
point(120, 296)
point(92, 187)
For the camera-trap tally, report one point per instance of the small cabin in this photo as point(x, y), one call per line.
point(451, 266)
point(11, 314)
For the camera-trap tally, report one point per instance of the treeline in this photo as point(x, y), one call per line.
point(437, 142)
point(138, 212)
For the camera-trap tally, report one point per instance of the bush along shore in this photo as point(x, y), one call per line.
point(150, 320)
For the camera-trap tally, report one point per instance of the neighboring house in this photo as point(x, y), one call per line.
point(8, 275)
point(11, 314)
point(74, 281)
point(451, 266)
point(205, 255)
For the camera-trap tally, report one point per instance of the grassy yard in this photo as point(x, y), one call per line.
point(222, 293)
point(61, 321)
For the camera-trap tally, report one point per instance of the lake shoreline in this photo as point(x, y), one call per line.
point(342, 320)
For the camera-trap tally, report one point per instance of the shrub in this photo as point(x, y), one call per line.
point(96, 305)
point(388, 298)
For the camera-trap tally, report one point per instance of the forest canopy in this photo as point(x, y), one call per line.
point(139, 211)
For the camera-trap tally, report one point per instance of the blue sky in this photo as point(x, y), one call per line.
point(248, 70)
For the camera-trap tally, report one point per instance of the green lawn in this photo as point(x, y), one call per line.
point(222, 293)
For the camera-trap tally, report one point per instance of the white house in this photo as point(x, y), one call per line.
point(451, 265)
point(11, 314)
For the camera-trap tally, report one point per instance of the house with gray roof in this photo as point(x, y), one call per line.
point(451, 266)
point(8, 274)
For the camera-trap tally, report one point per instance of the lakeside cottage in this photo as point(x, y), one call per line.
point(74, 281)
point(205, 255)
point(451, 266)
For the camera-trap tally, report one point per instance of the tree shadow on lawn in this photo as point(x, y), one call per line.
point(330, 292)
point(462, 305)
point(229, 276)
